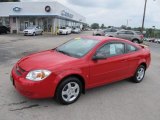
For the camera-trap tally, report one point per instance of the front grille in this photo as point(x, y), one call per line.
point(19, 70)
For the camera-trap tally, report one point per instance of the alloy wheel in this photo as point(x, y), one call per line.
point(70, 91)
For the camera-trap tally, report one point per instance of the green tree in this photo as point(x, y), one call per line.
point(95, 26)
point(128, 28)
point(103, 26)
point(123, 27)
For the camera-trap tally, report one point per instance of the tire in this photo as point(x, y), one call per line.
point(69, 90)
point(66, 33)
point(34, 34)
point(139, 75)
point(135, 41)
point(42, 33)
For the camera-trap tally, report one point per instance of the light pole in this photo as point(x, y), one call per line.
point(154, 28)
point(144, 14)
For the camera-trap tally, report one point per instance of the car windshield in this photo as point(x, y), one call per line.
point(30, 27)
point(77, 47)
point(62, 27)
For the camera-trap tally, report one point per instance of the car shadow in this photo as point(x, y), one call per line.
point(25, 103)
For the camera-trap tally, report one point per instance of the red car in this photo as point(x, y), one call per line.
point(82, 63)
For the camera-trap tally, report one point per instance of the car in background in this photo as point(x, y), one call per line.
point(33, 30)
point(145, 39)
point(151, 40)
point(134, 36)
point(64, 31)
point(77, 65)
point(157, 41)
point(76, 30)
point(100, 32)
point(4, 29)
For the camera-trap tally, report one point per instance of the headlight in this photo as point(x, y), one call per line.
point(38, 75)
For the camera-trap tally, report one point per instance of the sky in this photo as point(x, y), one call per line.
point(115, 12)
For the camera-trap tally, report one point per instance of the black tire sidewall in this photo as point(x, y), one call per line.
point(34, 34)
point(135, 75)
point(61, 86)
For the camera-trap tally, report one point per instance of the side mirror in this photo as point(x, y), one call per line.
point(98, 57)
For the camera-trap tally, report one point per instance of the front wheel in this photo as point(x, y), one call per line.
point(69, 91)
point(139, 75)
point(41, 33)
point(34, 34)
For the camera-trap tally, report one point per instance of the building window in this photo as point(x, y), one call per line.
point(14, 19)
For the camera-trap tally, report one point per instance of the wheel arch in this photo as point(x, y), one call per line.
point(135, 39)
point(144, 64)
point(80, 77)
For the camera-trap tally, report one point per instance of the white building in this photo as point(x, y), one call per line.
point(48, 15)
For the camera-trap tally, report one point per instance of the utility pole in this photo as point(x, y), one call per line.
point(144, 14)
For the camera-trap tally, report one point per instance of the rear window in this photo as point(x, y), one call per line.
point(138, 32)
point(130, 48)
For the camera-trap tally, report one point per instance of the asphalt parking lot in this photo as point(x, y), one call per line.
point(118, 101)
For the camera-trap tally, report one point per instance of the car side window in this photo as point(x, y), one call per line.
point(129, 33)
point(113, 30)
point(121, 32)
point(130, 48)
point(112, 49)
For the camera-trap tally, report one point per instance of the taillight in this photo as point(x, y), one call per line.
point(141, 36)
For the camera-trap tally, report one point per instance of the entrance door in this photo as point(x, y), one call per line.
point(26, 24)
point(47, 24)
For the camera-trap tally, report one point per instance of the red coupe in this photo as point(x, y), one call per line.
point(82, 63)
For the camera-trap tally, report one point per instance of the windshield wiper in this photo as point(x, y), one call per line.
point(61, 51)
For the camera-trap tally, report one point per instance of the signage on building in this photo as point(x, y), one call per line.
point(17, 9)
point(47, 8)
point(66, 14)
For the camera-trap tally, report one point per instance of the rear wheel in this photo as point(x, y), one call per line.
point(135, 41)
point(139, 75)
point(69, 91)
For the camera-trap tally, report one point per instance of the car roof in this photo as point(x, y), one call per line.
point(105, 39)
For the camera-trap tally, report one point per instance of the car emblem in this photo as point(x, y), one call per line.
point(17, 9)
point(47, 8)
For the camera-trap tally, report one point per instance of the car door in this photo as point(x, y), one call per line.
point(133, 57)
point(121, 34)
point(113, 68)
point(37, 30)
point(129, 35)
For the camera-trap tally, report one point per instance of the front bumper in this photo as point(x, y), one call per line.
point(62, 32)
point(31, 89)
point(28, 33)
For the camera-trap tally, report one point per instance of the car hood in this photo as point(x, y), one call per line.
point(28, 29)
point(44, 60)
